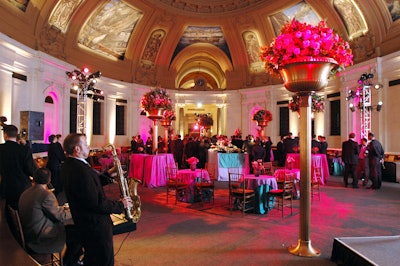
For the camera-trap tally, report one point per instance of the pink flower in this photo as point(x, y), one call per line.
point(303, 40)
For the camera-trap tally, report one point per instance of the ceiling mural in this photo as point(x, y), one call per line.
point(196, 34)
point(352, 17)
point(62, 13)
point(301, 11)
point(394, 8)
point(109, 28)
point(152, 47)
point(20, 4)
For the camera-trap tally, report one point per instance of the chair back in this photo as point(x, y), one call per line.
point(317, 174)
point(236, 181)
point(210, 167)
point(288, 185)
point(16, 226)
point(267, 168)
point(171, 172)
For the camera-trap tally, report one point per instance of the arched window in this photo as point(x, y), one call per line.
point(49, 99)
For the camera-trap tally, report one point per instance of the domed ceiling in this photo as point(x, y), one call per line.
point(189, 44)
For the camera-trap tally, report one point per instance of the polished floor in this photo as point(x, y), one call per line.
point(206, 234)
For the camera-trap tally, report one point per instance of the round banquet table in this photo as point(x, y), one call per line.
point(190, 177)
point(261, 185)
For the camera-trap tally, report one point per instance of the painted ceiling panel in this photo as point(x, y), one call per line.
point(109, 28)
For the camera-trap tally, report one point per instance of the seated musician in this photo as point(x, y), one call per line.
point(42, 218)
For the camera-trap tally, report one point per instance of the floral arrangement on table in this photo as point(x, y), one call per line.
point(169, 115)
point(257, 167)
point(157, 98)
point(262, 115)
point(301, 40)
point(192, 160)
point(205, 120)
point(238, 132)
point(317, 103)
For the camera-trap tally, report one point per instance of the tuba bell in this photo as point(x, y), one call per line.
point(127, 189)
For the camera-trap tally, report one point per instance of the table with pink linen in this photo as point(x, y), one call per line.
point(152, 167)
point(261, 185)
point(136, 166)
point(189, 177)
point(317, 160)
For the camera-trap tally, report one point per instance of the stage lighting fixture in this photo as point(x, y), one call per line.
point(379, 106)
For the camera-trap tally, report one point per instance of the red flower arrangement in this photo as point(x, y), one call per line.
point(169, 115)
point(301, 40)
point(317, 103)
point(157, 98)
point(262, 115)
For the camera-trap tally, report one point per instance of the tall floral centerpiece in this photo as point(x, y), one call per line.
point(206, 122)
point(262, 118)
point(155, 102)
point(166, 122)
point(304, 55)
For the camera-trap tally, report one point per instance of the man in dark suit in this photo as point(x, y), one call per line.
point(89, 206)
point(16, 166)
point(376, 155)
point(350, 152)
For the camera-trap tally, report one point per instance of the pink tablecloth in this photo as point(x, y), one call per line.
point(317, 160)
point(136, 166)
point(189, 177)
point(152, 168)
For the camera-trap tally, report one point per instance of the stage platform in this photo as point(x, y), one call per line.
point(378, 250)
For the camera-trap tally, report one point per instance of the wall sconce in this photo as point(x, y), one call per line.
point(352, 108)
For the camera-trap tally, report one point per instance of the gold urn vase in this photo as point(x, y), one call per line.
point(166, 122)
point(262, 123)
point(155, 114)
point(307, 74)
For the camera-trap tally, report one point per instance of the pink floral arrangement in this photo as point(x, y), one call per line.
point(192, 160)
point(157, 98)
point(169, 115)
point(301, 40)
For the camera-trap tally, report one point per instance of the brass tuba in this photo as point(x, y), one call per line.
point(127, 190)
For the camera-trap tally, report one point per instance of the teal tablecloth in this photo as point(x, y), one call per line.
point(231, 160)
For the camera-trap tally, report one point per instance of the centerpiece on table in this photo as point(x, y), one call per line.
point(155, 102)
point(262, 117)
point(205, 121)
point(192, 161)
point(257, 167)
point(305, 55)
point(317, 103)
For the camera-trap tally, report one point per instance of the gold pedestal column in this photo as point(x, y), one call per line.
point(304, 77)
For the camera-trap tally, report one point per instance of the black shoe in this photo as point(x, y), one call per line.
point(355, 187)
point(370, 187)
